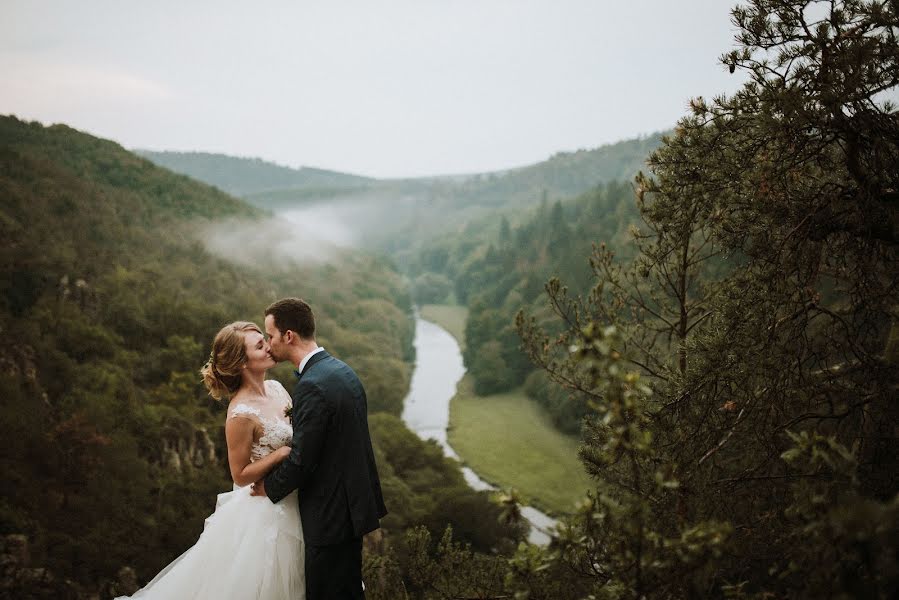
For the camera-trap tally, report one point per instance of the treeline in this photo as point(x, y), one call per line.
point(246, 176)
point(114, 452)
point(564, 174)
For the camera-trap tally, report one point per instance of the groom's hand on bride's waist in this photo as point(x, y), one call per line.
point(258, 488)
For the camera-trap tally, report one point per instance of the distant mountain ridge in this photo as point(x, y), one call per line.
point(563, 174)
point(402, 216)
point(583, 169)
point(247, 176)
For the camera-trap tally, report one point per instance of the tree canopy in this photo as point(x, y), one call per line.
point(741, 370)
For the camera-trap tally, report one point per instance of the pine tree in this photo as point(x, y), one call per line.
point(760, 417)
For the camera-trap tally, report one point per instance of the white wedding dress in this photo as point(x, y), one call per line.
point(250, 549)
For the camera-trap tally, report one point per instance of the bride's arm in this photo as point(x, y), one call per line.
point(239, 435)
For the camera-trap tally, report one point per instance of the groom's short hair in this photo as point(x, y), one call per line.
point(293, 314)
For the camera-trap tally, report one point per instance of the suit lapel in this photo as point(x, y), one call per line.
point(314, 359)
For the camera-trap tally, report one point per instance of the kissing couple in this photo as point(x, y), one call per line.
point(306, 487)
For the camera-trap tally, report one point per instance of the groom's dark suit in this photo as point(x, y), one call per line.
point(333, 467)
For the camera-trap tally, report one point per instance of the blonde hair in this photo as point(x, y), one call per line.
point(222, 372)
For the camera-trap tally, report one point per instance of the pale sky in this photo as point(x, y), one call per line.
point(385, 88)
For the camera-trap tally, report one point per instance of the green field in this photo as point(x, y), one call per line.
point(509, 441)
point(450, 317)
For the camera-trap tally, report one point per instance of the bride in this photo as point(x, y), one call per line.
point(249, 548)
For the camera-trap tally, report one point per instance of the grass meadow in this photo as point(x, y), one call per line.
point(509, 441)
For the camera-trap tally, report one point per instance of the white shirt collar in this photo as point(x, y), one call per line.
point(307, 357)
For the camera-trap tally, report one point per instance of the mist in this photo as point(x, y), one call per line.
point(340, 224)
point(274, 242)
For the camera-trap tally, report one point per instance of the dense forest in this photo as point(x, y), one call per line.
point(114, 451)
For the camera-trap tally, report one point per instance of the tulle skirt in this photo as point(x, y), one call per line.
point(250, 549)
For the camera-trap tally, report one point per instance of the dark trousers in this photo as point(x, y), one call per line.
point(334, 572)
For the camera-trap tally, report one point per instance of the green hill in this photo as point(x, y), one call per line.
point(563, 175)
point(247, 176)
point(110, 299)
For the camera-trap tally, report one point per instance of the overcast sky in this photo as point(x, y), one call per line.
point(385, 88)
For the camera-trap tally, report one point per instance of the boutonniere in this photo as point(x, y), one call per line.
point(288, 412)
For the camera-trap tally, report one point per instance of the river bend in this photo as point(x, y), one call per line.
point(438, 369)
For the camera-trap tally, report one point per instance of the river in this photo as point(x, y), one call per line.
point(438, 368)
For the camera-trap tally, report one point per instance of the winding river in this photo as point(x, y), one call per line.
point(438, 368)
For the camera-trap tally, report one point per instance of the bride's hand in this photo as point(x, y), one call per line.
point(283, 452)
point(258, 488)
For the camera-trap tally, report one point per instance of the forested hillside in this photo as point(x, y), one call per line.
point(563, 175)
point(496, 268)
point(248, 176)
point(114, 453)
point(461, 207)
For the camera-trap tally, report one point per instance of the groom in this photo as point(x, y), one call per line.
point(332, 463)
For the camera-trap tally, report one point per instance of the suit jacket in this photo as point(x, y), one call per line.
point(332, 464)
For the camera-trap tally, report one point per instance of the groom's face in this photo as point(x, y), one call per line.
point(278, 347)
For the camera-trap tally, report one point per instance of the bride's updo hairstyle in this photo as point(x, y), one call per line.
point(222, 372)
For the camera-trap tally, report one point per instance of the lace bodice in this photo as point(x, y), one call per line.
point(276, 429)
